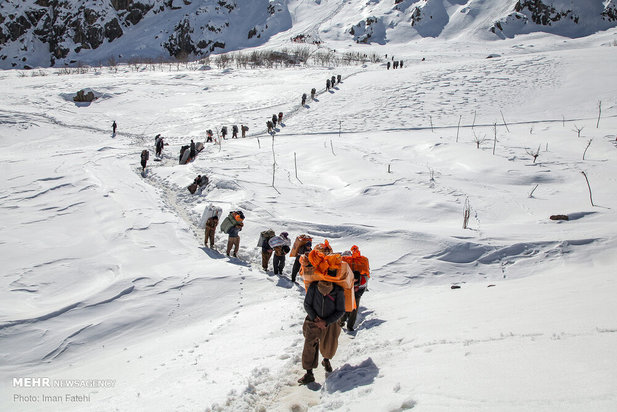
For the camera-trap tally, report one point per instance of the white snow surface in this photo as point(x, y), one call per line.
point(106, 282)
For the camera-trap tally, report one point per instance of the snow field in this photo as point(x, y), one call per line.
point(107, 276)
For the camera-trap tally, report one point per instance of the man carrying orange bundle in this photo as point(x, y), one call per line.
point(324, 304)
point(360, 267)
point(329, 282)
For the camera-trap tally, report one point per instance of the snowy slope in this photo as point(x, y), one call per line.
point(105, 277)
point(106, 283)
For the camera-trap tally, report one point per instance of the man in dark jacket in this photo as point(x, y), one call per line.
point(324, 304)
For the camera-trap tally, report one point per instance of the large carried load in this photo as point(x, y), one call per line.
point(277, 241)
point(185, 152)
point(209, 211)
point(300, 240)
point(359, 265)
point(321, 264)
point(234, 218)
point(265, 236)
point(280, 244)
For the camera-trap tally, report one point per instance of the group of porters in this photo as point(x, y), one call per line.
point(350, 269)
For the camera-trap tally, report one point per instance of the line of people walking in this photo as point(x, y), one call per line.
point(330, 83)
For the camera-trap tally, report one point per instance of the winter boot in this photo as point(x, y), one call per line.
point(307, 378)
point(326, 365)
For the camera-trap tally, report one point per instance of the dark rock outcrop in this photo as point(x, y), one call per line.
point(541, 13)
point(82, 96)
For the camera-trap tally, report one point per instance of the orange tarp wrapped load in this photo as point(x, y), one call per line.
point(357, 262)
point(300, 240)
point(331, 268)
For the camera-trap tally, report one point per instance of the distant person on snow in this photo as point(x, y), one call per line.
point(328, 84)
point(145, 155)
point(159, 143)
point(274, 119)
point(224, 132)
point(269, 125)
point(234, 131)
point(313, 91)
point(338, 78)
point(280, 244)
point(303, 99)
point(211, 224)
point(209, 135)
point(324, 304)
point(114, 126)
point(333, 81)
point(280, 117)
point(244, 130)
point(193, 151)
point(388, 65)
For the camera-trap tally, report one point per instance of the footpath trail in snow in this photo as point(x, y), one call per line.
point(106, 276)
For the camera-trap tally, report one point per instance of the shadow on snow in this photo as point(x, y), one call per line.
point(348, 377)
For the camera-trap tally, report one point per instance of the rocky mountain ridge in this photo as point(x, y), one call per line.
point(72, 32)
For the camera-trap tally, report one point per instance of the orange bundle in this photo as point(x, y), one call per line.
point(323, 263)
point(330, 268)
point(357, 262)
point(324, 247)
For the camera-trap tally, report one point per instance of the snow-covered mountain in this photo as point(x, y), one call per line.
point(72, 32)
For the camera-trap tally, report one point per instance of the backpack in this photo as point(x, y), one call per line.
point(145, 155)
